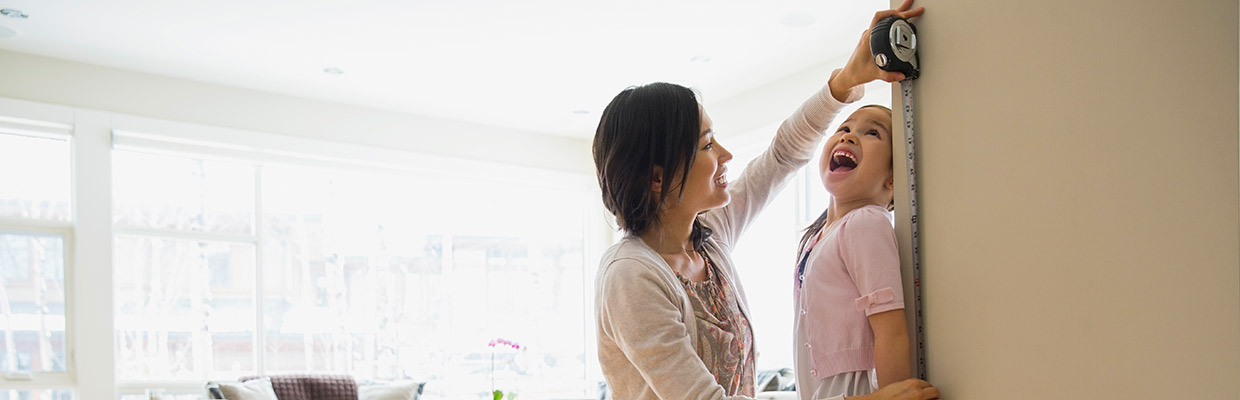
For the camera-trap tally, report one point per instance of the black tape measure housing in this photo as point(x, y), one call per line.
point(893, 41)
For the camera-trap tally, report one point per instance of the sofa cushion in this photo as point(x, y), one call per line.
point(256, 389)
point(400, 390)
point(313, 387)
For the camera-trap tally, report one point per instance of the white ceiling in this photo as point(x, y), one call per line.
point(534, 65)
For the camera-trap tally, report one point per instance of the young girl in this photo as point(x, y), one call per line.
point(850, 332)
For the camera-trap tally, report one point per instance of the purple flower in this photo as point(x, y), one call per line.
point(506, 342)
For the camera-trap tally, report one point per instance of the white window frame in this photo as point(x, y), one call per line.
point(30, 121)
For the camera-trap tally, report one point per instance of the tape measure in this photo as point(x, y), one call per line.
point(893, 41)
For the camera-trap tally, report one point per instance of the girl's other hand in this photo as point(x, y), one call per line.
point(908, 389)
point(861, 68)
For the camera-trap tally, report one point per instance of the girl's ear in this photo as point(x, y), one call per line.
point(656, 181)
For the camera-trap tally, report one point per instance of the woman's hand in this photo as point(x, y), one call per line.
point(908, 389)
point(861, 68)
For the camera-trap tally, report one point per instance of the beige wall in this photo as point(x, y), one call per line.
point(1079, 179)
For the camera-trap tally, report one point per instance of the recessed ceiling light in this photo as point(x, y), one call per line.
point(14, 13)
point(700, 59)
point(333, 71)
point(581, 112)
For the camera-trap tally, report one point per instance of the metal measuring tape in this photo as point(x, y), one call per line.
point(893, 42)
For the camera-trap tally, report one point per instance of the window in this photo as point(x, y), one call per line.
point(228, 268)
point(35, 241)
point(180, 223)
point(32, 303)
point(12, 394)
point(35, 185)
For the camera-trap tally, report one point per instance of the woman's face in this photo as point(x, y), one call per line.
point(707, 184)
point(856, 160)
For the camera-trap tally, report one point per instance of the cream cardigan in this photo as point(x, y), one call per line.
point(646, 332)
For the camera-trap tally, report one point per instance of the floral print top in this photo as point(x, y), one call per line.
point(725, 338)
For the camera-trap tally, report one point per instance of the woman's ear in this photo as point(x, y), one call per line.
point(656, 181)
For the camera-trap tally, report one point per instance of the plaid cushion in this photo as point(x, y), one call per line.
point(312, 386)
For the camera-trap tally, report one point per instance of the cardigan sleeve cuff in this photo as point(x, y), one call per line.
point(879, 301)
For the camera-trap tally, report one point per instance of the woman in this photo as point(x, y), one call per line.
point(672, 318)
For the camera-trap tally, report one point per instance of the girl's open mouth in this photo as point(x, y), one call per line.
point(842, 160)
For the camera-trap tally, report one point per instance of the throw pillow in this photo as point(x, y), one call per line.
point(406, 390)
point(254, 389)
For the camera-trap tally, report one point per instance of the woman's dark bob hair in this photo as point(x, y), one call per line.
point(658, 124)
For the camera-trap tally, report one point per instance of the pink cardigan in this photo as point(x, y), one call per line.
point(853, 272)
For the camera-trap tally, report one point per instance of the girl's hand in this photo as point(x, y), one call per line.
point(908, 389)
point(861, 68)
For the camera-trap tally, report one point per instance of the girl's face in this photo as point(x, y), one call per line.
point(707, 184)
point(856, 160)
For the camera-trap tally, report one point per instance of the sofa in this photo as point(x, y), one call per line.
point(312, 387)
